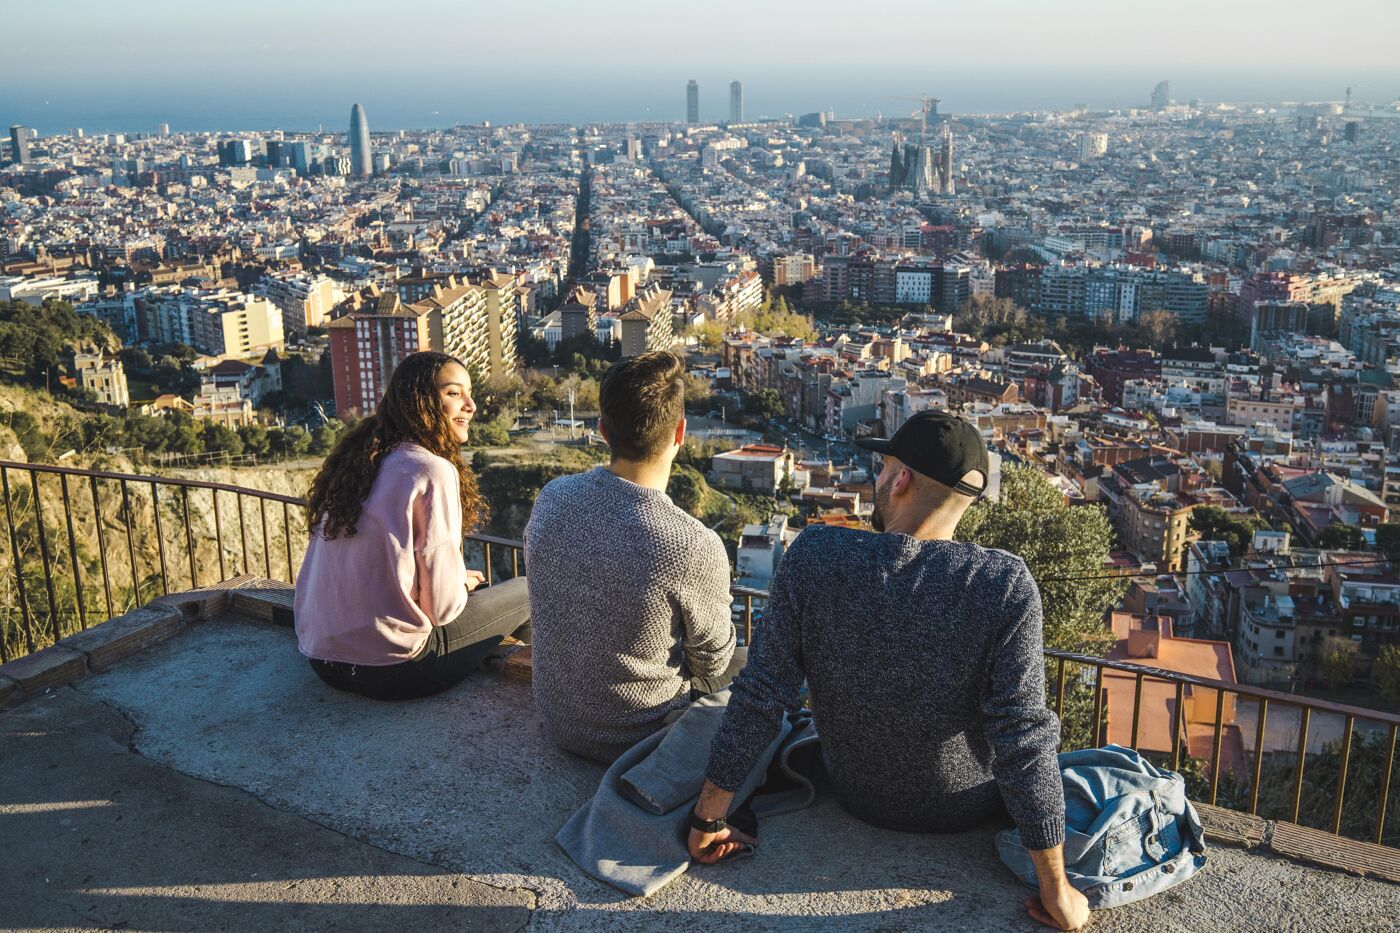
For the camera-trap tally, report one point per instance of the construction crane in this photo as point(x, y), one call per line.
point(926, 105)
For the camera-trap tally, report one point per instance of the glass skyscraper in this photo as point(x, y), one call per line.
point(361, 165)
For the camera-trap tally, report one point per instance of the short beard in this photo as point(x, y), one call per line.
point(882, 504)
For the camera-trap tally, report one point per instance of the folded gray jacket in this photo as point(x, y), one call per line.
point(632, 833)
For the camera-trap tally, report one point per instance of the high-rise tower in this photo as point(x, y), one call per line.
point(692, 102)
point(736, 102)
point(1161, 95)
point(361, 164)
point(945, 180)
point(19, 144)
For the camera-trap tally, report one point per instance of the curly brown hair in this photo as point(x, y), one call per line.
point(410, 412)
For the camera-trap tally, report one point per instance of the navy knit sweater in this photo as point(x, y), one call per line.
point(923, 659)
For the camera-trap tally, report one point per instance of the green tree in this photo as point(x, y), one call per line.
point(255, 440)
point(1388, 540)
point(1385, 674)
point(1339, 537)
point(218, 437)
point(324, 437)
point(1339, 661)
point(489, 434)
point(687, 489)
point(1213, 523)
point(765, 403)
point(1066, 550)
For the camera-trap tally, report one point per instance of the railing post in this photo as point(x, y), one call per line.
point(1302, 755)
point(1095, 738)
point(1385, 785)
point(189, 536)
point(748, 619)
point(219, 534)
point(486, 553)
point(160, 540)
point(267, 544)
point(73, 550)
point(242, 531)
point(102, 547)
point(131, 546)
point(514, 562)
point(1215, 744)
point(1137, 709)
point(287, 540)
point(19, 567)
point(1060, 691)
point(44, 555)
point(1259, 729)
point(1342, 778)
point(1178, 717)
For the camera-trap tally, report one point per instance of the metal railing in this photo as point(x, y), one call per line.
point(55, 562)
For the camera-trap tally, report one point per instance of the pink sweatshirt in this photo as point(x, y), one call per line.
point(374, 598)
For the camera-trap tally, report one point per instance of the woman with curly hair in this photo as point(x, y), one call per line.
point(381, 599)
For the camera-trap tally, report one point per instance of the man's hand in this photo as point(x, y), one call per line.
point(1060, 904)
point(1064, 908)
point(474, 579)
point(708, 848)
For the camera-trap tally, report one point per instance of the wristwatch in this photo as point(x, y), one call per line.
point(707, 826)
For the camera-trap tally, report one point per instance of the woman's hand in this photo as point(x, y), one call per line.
point(474, 579)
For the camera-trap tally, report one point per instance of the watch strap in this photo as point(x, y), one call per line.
point(707, 826)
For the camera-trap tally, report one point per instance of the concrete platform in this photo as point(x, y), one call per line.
point(215, 782)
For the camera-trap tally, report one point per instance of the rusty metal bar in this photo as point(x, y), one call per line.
point(1259, 729)
point(1177, 716)
point(102, 547)
point(19, 568)
point(1342, 778)
point(1385, 786)
point(133, 477)
point(1094, 739)
point(287, 536)
point(486, 552)
point(514, 562)
point(73, 550)
point(267, 544)
point(44, 555)
point(219, 535)
point(242, 531)
point(1215, 745)
point(189, 536)
point(1137, 709)
point(160, 540)
point(1302, 755)
point(1060, 690)
point(131, 546)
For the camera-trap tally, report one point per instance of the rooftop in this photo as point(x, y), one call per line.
point(212, 781)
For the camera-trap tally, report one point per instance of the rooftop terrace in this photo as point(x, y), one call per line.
point(211, 781)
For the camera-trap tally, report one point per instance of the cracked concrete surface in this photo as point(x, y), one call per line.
point(463, 786)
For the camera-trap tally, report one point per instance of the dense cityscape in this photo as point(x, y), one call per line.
point(1185, 315)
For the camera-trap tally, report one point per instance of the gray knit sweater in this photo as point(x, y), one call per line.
point(923, 660)
point(629, 598)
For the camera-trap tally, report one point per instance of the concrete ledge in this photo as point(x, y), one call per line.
point(264, 599)
point(45, 669)
point(1235, 828)
point(208, 601)
point(126, 635)
point(10, 693)
point(519, 664)
point(1314, 845)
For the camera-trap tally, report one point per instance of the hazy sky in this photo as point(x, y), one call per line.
point(296, 63)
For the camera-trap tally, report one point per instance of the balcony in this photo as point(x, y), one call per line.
point(181, 767)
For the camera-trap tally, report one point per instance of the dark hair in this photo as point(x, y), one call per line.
point(642, 400)
point(410, 411)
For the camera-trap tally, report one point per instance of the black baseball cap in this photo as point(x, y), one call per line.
point(939, 445)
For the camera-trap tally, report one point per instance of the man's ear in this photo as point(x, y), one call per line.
point(902, 481)
point(603, 430)
point(680, 432)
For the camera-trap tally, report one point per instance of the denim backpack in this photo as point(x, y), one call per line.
point(1130, 832)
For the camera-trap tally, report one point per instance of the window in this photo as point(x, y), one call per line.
point(1278, 633)
point(1278, 652)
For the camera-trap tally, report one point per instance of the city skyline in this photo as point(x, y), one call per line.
point(214, 69)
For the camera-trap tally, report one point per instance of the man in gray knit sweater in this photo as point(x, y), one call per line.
point(923, 659)
point(629, 595)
